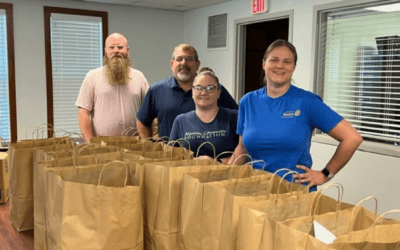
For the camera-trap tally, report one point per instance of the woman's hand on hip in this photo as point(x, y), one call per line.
point(312, 177)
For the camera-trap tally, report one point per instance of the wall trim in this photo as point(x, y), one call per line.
point(239, 39)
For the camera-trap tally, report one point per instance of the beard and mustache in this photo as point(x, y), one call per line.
point(185, 76)
point(117, 71)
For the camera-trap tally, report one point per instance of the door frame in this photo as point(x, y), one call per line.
point(240, 43)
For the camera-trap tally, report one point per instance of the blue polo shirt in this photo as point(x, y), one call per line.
point(166, 100)
point(279, 130)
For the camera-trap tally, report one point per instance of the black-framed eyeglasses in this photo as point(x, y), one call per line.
point(188, 59)
point(209, 88)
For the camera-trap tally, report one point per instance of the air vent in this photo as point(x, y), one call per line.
point(217, 31)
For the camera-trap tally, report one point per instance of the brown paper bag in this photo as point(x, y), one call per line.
point(220, 209)
point(93, 207)
point(299, 232)
point(162, 184)
point(80, 160)
point(4, 183)
point(192, 199)
point(39, 191)
point(381, 235)
point(20, 162)
point(257, 220)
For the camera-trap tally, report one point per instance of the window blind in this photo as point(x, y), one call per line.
point(359, 72)
point(4, 93)
point(76, 48)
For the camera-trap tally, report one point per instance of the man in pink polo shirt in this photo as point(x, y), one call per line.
point(111, 95)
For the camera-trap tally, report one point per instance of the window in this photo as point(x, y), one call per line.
point(8, 117)
point(74, 45)
point(357, 67)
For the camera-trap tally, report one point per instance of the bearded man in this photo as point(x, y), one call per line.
point(171, 97)
point(111, 95)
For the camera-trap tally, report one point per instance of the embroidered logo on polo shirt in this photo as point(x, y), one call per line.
point(290, 114)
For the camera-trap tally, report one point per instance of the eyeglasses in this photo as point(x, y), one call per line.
point(187, 59)
point(209, 88)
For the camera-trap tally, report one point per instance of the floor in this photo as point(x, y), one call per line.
point(10, 239)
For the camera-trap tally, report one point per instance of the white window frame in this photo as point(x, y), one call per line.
point(319, 10)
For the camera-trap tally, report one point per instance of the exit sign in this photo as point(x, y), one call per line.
point(260, 6)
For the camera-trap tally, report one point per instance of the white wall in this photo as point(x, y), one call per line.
point(367, 173)
point(152, 36)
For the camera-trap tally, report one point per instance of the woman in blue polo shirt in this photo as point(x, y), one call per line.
point(208, 122)
point(276, 122)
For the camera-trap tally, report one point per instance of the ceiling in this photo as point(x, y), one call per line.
point(179, 5)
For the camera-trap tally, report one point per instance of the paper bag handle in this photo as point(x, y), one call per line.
point(204, 143)
point(365, 199)
point(62, 130)
point(282, 169)
point(252, 162)
point(225, 152)
point(252, 173)
point(127, 130)
point(37, 129)
point(162, 139)
point(156, 143)
point(324, 188)
point(48, 127)
point(340, 198)
point(380, 216)
point(229, 167)
point(358, 204)
point(82, 147)
point(178, 141)
point(234, 162)
point(126, 176)
point(180, 144)
point(283, 177)
point(60, 143)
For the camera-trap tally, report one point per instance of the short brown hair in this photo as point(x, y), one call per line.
point(186, 47)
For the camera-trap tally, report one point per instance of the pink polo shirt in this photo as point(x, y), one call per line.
point(113, 107)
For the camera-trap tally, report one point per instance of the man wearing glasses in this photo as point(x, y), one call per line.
point(171, 97)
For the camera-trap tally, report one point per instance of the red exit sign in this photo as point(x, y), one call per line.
point(260, 6)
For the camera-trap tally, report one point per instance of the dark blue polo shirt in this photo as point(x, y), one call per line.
point(166, 100)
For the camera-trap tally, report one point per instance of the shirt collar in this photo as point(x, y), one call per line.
point(173, 83)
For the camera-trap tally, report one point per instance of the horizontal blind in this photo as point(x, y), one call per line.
point(361, 71)
point(4, 88)
point(76, 48)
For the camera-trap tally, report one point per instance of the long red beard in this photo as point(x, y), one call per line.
point(117, 71)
